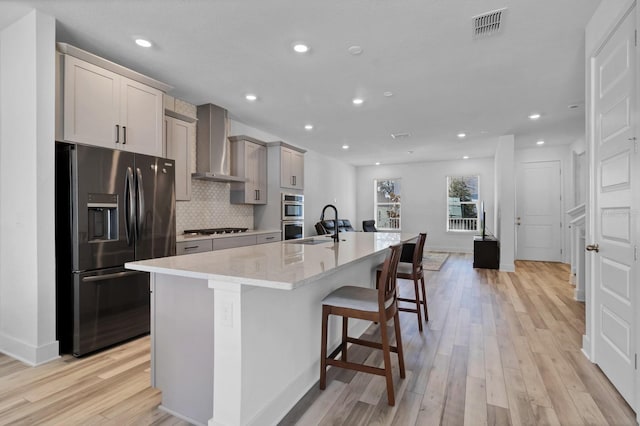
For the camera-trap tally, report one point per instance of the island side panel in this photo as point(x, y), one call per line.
point(182, 342)
point(269, 341)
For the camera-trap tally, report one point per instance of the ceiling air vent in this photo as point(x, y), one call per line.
point(488, 23)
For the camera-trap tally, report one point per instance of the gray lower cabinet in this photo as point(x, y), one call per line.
point(268, 238)
point(231, 242)
point(188, 247)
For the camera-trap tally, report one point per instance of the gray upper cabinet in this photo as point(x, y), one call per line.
point(178, 133)
point(291, 168)
point(248, 160)
point(104, 108)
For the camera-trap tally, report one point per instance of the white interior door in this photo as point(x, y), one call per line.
point(614, 268)
point(538, 216)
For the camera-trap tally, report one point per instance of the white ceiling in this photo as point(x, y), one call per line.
point(443, 80)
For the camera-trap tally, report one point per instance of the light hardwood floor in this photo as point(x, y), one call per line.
point(500, 348)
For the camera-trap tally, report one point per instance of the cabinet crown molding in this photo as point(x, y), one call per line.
point(70, 50)
point(286, 145)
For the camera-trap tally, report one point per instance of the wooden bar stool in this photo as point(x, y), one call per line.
point(368, 304)
point(410, 268)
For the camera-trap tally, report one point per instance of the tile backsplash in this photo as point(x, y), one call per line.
point(210, 208)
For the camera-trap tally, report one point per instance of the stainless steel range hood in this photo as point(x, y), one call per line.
point(212, 146)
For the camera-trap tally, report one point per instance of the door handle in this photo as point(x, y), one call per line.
point(593, 247)
point(117, 133)
point(124, 135)
point(130, 206)
point(94, 278)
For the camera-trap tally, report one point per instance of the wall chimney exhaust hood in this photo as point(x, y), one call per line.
point(212, 146)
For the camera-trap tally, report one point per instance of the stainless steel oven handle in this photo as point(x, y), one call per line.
point(105, 277)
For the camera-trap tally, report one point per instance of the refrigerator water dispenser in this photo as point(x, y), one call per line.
point(103, 217)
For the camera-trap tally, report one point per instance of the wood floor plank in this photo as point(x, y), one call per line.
point(560, 398)
point(454, 403)
point(520, 411)
point(494, 375)
point(475, 408)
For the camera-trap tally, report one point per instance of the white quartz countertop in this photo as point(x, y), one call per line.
point(182, 237)
point(283, 265)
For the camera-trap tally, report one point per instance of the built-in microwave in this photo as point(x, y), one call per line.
point(292, 207)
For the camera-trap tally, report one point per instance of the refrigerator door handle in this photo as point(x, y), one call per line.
point(140, 203)
point(105, 277)
point(130, 205)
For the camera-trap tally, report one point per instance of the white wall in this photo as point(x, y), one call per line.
point(27, 251)
point(328, 181)
point(505, 201)
point(424, 197)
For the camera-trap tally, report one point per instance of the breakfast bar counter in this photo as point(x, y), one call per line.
point(236, 333)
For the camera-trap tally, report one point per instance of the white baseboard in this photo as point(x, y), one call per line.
point(29, 354)
point(579, 295)
point(586, 347)
point(508, 267)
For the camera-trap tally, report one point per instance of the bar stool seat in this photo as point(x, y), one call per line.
point(377, 305)
point(410, 268)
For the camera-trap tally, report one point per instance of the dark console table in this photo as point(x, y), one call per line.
point(486, 252)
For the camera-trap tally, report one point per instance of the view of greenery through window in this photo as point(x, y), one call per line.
point(462, 212)
point(387, 204)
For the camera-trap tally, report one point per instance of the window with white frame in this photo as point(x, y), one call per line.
point(462, 203)
point(387, 204)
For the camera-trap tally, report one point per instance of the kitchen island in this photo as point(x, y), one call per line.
point(236, 333)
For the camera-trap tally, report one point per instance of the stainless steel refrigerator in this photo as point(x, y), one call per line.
point(112, 207)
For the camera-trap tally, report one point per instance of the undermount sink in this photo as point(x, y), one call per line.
point(311, 241)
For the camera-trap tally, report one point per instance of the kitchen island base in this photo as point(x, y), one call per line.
point(236, 333)
point(269, 340)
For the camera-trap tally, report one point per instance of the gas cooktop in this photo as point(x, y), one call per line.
point(211, 231)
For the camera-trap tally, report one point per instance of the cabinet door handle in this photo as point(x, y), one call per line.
point(258, 191)
point(191, 247)
point(269, 238)
point(124, 135)
point(117, 133)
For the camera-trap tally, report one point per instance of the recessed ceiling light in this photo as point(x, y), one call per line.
point(540, 143)
point(143, 43)
point(388, 94)
point(534, 116)
point(357, 101)
point(377, 163)
point(300, 48)
point(345, 146)
point(355, 50)
point(400, 135)
point(308, 126)
point(462, 135)
point(466, 157)
point(251, 97)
